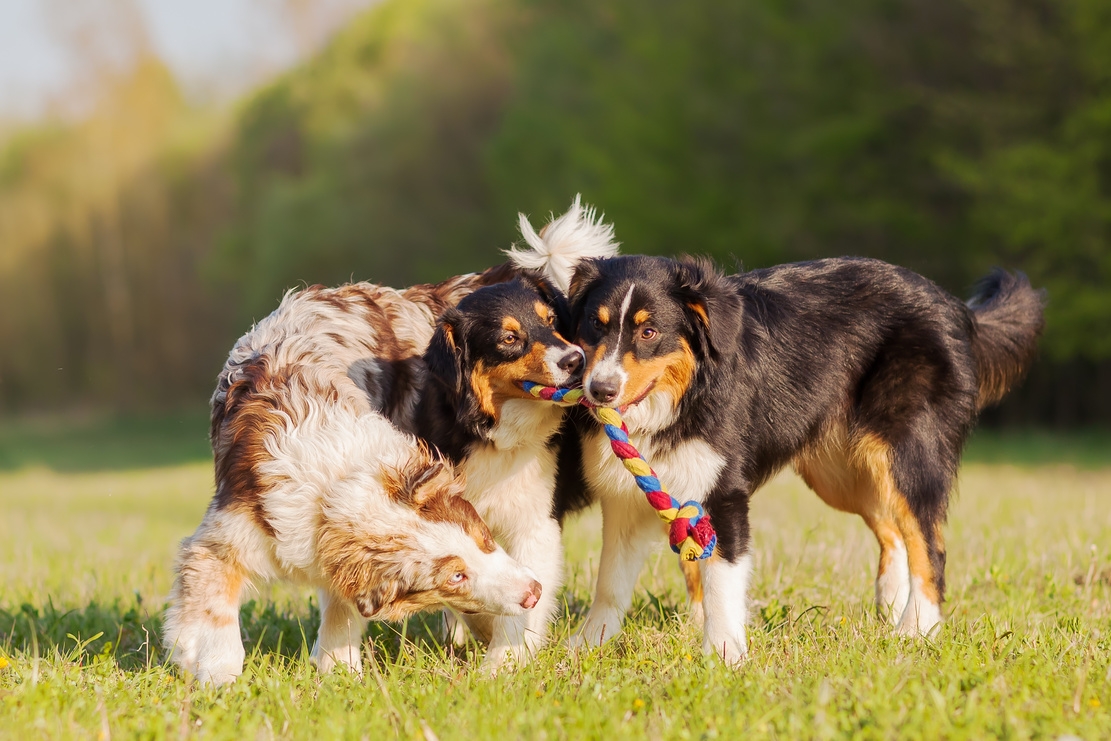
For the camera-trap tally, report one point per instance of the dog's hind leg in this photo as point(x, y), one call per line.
point(911, 581)
point(923, 466)
point(341, 634)
point(856, 477)
point(201, 631)
point(893, 574)
point(877, 500)
point(911, 419)
point(926, 560)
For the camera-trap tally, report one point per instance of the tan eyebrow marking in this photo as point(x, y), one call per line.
point(641, 316)
point(603, 315)
point(542, 310)
point(509, 324)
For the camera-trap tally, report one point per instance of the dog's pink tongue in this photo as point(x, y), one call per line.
point(533, 595)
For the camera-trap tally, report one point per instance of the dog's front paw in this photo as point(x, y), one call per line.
point(221, 659)
point(347, 656)
point(213, 655)
point(730, 648)
point(218, 674)
point(504, 659)
point(596, 630)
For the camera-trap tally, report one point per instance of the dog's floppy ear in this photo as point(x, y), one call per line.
point(424, 476)
point(377, 598)
point(549, 294)
point(712, 308)
point(446, 357)
point(587, 273)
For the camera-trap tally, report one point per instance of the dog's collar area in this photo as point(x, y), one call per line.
point(689, 530)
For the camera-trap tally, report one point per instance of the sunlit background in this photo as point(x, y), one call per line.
point(168, 169)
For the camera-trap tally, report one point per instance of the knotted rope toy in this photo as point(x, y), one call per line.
point(690, 533)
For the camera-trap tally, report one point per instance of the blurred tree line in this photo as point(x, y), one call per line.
point(947, 135)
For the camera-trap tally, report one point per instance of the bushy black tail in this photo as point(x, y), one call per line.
point(1008, 318)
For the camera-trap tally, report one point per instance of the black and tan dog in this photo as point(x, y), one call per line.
point(475, 411)
point(865, 376)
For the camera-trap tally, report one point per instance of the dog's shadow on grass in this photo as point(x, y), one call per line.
point(125, 634)
point(129, 635)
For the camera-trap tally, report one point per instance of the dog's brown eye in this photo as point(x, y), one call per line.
point(648, 333)
point(597, 324)
point(509, 340)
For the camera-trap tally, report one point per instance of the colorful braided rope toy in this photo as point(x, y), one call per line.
point(690, 532)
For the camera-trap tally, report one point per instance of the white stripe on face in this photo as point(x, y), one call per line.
point(621, 322)
point(609, 368)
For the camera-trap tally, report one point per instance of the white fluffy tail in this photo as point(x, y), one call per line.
point(563, 242)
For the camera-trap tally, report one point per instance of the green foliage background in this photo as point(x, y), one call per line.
point(946, 135)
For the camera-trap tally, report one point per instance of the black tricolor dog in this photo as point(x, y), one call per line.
point(476, 412)
point(865, 376)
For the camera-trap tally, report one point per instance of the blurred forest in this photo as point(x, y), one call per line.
point(139, 240)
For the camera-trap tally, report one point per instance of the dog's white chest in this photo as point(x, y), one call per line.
point(511, 490)
point(687, 471)
point(511, 479)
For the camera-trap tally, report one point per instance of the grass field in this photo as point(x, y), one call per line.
point(92, 512)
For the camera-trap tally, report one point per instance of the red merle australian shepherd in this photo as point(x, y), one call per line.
point(866, 377)
point(320, 480)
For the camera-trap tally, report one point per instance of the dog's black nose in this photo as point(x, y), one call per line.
point(571, 363)
point(603, 391)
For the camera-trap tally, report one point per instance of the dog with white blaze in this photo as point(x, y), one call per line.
point(864, 376)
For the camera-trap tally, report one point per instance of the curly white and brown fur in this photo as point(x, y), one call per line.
point(318, 479)
point(314, 485)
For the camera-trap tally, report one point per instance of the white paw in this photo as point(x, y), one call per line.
point(696, 614)
point(920, 618)
point(892, 596)
point(347, 656)
point(221, 660)
point(730, 648)
point(890, 613)
point(504, 659)
point(596, 630)
point(182, 651)
point(213, 655)
point(218, 674)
